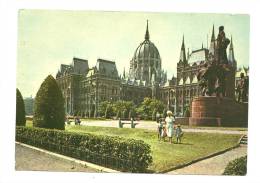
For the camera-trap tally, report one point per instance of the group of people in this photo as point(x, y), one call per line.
point(168, 127)
point(76, 120)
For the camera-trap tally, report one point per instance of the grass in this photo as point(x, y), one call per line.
point(29, 123)
point(165, 155)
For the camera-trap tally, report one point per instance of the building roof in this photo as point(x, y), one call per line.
point(198, 55)
point(80, 66)
point(146, 49)
point(107, 68)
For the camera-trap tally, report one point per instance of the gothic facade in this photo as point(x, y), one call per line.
point(85, 88)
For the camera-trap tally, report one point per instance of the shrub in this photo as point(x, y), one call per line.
point(114, 152)
point(20, 111)
point(49, 111)
point(236, 167)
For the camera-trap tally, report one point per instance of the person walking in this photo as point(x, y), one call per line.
point(169, 125)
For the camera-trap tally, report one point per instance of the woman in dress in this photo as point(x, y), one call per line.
point(169, 125)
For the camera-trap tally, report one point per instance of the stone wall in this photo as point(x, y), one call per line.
point(182, 120)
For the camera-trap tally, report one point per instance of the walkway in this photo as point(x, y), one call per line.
point(212, 166)
point(27, 159)
point(153, 126)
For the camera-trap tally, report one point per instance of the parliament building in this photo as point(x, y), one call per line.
point(84, 87)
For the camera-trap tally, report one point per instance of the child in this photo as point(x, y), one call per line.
point(179, 133)
point(160, 127)
point(164, 131)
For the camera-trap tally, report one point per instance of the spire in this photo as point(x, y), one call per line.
point(212, 46)
point(183, 45)
point(231, 44)
point(147, 36)
point(202, 46)
point(183, 54)
point(124, 74)
point(213, 34)
point(231, 56)
point(188, 54)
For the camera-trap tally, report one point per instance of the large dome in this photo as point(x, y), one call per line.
point(146, 62)
point(146, 49)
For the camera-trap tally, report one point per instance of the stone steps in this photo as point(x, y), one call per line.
point(244, 140)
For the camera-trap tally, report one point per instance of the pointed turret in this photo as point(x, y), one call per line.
point(213, 34)
point(183, 54)
point(124, 74)
point(231, 56)
point(212, 42)
point(188, 54)
point(147, 36)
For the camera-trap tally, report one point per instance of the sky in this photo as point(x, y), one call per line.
point(48, 38)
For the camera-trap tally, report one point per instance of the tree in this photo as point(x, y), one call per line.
point(105, 109)
point(148, 107)
point(49, 111)
point(122, 108)
point(20, 111)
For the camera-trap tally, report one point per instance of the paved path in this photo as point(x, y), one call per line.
point(153, 126)
point(212, 166)
point(30, 160)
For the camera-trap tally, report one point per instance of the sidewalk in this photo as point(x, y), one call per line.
point(30, 158)
point(153, 126)
point(212, 166)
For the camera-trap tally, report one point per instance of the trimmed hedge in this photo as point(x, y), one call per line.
point(127, 155)
point(49, 111)
point(20, 111)
point(236, 167)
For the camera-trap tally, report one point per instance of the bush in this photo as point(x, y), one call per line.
point(20, 111)
point(236, 167)
point(49, 111)
point(114, 152)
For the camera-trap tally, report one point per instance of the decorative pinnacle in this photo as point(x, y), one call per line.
point(231, 43)
point(147, 36)
point(182, 45)
point(213, 34)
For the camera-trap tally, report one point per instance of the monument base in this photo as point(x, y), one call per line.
point(214, 111)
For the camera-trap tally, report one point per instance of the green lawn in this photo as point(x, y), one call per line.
point(206, 127)
point(29, 123)
point(165, 155)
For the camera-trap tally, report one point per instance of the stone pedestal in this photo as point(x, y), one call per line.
point(213, 111)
